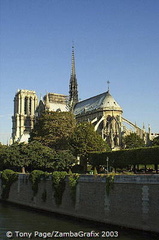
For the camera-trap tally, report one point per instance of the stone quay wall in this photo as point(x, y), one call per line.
point(133, 202)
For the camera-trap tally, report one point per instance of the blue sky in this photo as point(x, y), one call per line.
point(115, 40)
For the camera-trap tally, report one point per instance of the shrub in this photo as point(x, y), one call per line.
point(58, 183)
point(73, 181)
point(35, 177)
point(124, 158)
point(8, 177)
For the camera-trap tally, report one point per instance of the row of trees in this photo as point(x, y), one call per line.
point(134, 141)
point(54, 144)
point(126, 158)
point(34, 155)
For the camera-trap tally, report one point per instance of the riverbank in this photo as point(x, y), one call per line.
point(132, 201)
point(28, 220)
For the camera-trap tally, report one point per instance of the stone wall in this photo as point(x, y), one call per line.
point(133, 202)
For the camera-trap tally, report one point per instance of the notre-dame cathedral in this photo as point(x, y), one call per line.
point(102, 111)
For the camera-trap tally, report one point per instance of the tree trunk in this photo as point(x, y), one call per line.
point(156, 168)
point(83, 162)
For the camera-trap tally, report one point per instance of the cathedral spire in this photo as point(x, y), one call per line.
point(73, 73)
point(73, 92)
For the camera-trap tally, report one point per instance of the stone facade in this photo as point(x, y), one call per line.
point(25, 104)
point(132, 202)
point(52, 102)
point(105, 113)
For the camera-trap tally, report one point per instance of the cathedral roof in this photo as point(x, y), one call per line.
point(58, 107)
point(56, 102)
point(102, 101)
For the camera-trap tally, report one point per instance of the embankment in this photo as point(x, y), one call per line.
point(130, 201)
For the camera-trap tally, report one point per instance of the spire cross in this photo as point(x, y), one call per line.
point(108, 85)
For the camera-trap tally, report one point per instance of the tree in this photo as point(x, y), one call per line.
point(53, 129)
point(133, 141)
point(47, 159)
point(34, 155)
point(85, 140)
point(40, 156)
point(16, 156)
point(63, 161)
point(155, 141)
point(2, 152)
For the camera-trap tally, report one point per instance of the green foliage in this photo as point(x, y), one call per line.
point(73, 181)
point(109, 183)
point(8, 177)
point(35, 177)
point(15, 156)
point(96, 158)
point(69, 172)
point(53, 129)
point(40, 156)
point(2, 156)
point(58, 183)
point(124, 158)
point(133, 141)
point(155, 142)
point(147, 156)
point(85, 140)
point(34, 155)
point(62, 161)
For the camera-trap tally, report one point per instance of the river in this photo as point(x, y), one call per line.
point(21, 223)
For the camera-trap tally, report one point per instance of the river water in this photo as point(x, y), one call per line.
point(26, 224)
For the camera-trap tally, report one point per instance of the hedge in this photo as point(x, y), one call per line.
point(124, 158)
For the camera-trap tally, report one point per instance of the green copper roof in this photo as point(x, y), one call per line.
point(102, 101)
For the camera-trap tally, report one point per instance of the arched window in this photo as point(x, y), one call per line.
point(30, 102)
point(108, 118)
point(25, 105)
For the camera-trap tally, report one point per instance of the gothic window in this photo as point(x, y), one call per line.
point(30, 101)
point(117, 117)
point(25, 105)
point(27, 124)
point(108, 118)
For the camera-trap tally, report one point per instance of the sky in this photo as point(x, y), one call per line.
point(115, 40)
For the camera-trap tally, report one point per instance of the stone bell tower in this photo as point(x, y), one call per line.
point(25, 104)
